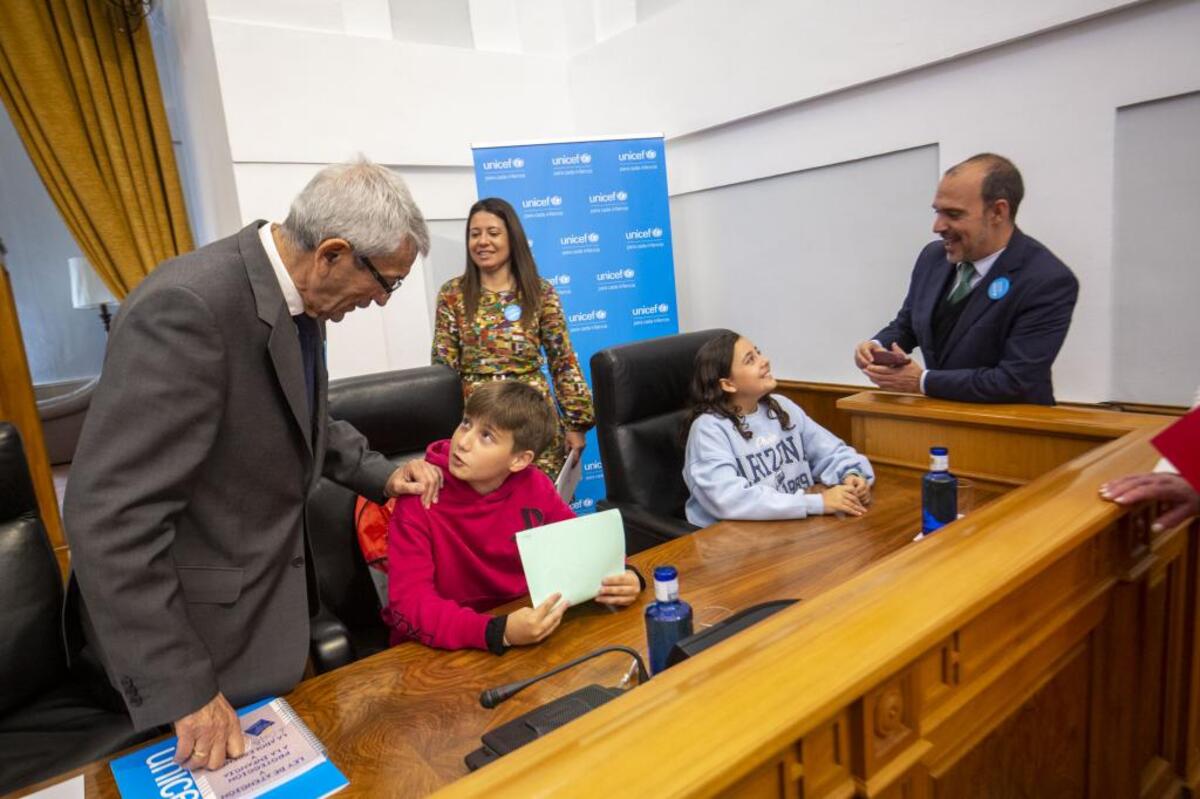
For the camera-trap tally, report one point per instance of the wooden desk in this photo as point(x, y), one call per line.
point(1047, 645)
point(399, 723)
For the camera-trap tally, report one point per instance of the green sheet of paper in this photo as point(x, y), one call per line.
point(572, 557)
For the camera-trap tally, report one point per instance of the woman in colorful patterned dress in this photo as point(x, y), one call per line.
point(495, 321)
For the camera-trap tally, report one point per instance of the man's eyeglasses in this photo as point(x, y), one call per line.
point(380, 279)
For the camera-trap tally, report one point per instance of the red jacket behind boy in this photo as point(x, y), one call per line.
point(448, 563)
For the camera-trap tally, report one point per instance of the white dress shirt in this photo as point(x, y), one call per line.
point(291, 295)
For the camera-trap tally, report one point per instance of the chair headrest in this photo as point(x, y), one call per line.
point(646, 378)
point(400, 411)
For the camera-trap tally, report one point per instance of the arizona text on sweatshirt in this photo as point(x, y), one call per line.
point(765, 476)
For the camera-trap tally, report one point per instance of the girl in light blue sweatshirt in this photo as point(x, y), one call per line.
point(751, 454)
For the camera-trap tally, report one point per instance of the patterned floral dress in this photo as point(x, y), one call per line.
point(494, 347)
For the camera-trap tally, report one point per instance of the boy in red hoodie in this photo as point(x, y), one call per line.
point(453, 560)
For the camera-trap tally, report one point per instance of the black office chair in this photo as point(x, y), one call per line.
point(400, 413)
point(50, 718)
point(641, 396)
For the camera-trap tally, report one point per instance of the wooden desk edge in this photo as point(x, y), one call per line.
point(748, 678)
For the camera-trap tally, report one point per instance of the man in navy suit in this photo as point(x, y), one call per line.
point(988, 306)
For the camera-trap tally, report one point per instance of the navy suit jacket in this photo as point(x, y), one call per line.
point(1002, 347)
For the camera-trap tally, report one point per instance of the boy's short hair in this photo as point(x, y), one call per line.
point(516, 408)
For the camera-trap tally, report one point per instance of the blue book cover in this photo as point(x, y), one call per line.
point(283, 760)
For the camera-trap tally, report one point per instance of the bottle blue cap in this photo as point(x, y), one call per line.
point(665, 573)
point(938, 451)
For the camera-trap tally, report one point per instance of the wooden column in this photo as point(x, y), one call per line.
point(18, 405)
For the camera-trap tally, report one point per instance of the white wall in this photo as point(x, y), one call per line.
point(1156, 267)
point(299, 99)
point(701, 63)
point(187, 68)
point(744, 92)
point(1049, 102)
point(792, 261)
point(308, 97)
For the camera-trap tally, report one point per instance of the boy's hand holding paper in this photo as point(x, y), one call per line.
point(572, 558)
point(533, 625)
point(619, 590)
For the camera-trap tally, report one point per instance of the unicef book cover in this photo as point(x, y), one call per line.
point(283, 759)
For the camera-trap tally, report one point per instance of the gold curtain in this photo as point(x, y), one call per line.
point(79, 81)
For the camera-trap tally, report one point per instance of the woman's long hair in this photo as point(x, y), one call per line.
point(713, 363)
point(529, 289)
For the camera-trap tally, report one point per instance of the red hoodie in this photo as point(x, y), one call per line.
point(450, 562)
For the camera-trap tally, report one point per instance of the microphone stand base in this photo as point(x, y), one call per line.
point(539, 721)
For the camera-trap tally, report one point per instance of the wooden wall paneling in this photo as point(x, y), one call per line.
point(938, 675)
point(1007, 630)
point(1160, 689)
point(885, 739)
point(914, 784)
point(825, 760)
point(1115, 665)
point(1038, 750)
point(19, 406)
point(1187, 756)
point(778, 778)
point(986, 703)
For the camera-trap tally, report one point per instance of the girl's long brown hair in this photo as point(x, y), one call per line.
point(528, 285)
point(713, 363)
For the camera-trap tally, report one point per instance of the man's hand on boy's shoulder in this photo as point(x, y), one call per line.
point(620, 589)
point(416, 477)
point(533, 625)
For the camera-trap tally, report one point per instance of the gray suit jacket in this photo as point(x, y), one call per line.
point(185, 507)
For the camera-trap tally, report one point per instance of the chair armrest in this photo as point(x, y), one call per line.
point(644, 528)
point(329, 642)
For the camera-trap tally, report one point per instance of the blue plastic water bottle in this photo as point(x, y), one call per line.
point(668, 618)
point(939, 492)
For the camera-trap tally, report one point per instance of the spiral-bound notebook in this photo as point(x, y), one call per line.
point(283, 759)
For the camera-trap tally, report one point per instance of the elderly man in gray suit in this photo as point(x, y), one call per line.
point(185, 504)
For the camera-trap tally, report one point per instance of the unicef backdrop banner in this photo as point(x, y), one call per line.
point(597, 218)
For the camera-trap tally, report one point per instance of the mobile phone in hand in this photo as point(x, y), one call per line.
point(888, 358)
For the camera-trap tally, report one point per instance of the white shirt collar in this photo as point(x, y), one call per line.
point(984, 264)
point(291, 295)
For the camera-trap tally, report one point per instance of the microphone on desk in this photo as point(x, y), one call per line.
point(502, 693)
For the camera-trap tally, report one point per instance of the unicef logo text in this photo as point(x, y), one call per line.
point(645, 233)
point(651, 310)
point(559, 280)
point(592, 466)
point(579, 504)
point(649, 154)
point(615, 274)
point(578, 239)
point(515, 162)
point(542, 202)
point(610, 197)
point(571, 160)
point(598, 315)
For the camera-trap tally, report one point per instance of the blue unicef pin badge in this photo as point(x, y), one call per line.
point(998, 288)
point(512, 312)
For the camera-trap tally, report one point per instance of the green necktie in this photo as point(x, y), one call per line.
point(962, 287)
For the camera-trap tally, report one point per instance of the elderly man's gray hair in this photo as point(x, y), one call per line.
point(364, 203)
